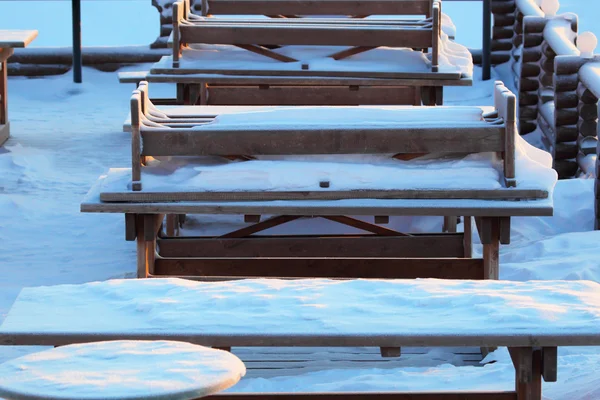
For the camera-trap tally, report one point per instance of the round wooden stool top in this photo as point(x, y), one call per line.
point(121, 370)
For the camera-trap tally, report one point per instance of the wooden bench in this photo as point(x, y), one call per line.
point(315, 61)
point(119, 370)
point(379, 252)
point(8, 41)
point(324, 313)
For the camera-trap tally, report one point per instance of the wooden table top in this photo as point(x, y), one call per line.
point(17, 38)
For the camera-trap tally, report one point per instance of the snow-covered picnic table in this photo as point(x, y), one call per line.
point(531, 318)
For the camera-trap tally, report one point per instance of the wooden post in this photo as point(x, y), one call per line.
point(528, 372)
point(177, 16)
point(77, 57)
point(486, 62)
point(435, 48)
point(136, 142)
point(489, 232)
point(147, 226)
point(468, 237)
point(4, 93)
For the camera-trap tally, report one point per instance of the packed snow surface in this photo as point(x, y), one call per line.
point(426, 307)
point(121, 370)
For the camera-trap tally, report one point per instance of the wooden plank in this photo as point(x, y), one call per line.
point(330, 267)
point(220, 79)
point(410, 138)
point(417, 246)
point(365, 226)
point(17, 38)
point(421, 77)
point(263, 51)
point(340, 55)
point(261, 226)
point(311, 95)
point(409, 194)
point(304, 34)
point(322, 7)
point(471, 395)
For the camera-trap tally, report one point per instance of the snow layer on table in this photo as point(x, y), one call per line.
point(310, 306)
point(453, 58)
point(48, 166)
point(121, 370)
point(344, 172)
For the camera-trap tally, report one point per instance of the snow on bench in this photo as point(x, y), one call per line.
point(531, 318)
point(308, 133)
point(161, 370)
point(314, 312)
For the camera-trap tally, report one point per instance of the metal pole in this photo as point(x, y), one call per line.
point(76, 6)
point(486, 53)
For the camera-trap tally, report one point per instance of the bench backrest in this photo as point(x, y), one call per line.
point(154, 133)
point(320, 7)
point(190, 28)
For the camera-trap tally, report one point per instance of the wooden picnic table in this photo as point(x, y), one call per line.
point(9, 40)
point(323, 313)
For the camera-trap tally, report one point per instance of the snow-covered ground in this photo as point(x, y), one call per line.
point(65, 135)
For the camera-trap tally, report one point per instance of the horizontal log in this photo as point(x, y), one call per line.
point(529, 84)
point(331, 267)
point(566, 100)
point(529, 70)
point(585, 95)
point(548, 51)
point(566, 133)
point(528, 112)
point(565, 116)
point(565, 168)
point(565, 83)
point(588, 112)
point(567, 65)
point(531, 55)
point(528, 99)
point(503, 7)
point(565, 151)
point(417, 246)
point(526, 126)
point(471, 395)
point(501, 32)
point(501, 45)
point(547, 64)
point(292, 141)
point(313, 95)
point(534, 25)
point(502, 20)
point(587, 128)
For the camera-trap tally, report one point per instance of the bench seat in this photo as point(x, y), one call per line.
point(315, 312)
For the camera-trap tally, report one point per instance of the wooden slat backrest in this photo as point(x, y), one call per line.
point(189, 28)
point(152, 136)
point(319, 7)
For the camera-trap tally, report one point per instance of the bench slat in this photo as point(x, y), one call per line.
point(325, 267)
point(425, 246)
point(267, 140)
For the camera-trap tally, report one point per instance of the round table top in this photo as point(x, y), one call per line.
point(121, 370)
